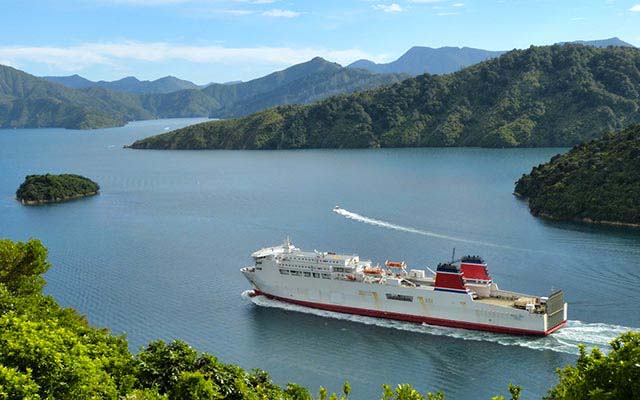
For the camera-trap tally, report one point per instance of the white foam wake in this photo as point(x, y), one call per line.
point(565, 340)
point(389, 225)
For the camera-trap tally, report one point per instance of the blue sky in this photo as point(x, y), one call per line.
point(223, 40)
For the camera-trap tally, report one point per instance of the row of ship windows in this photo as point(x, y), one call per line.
point(314, 260)
point(305, 274)
point(390, 296)
point(305, 267)
point(335, 269)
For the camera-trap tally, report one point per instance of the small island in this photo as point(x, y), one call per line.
point(595, 182)
point(41, 189)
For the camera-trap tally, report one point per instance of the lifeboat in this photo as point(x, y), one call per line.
point(395, 264)
point(351, 277)
point(373, 271)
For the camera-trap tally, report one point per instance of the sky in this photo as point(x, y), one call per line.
point(227, 40)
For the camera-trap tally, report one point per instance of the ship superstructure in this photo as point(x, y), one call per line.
point(458, 294)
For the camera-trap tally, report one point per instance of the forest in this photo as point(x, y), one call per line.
point(50, 188)
point(596, 181)
point(555, 95)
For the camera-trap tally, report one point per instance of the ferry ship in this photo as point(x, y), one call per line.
point(459, 294)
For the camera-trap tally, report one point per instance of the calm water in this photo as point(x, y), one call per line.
point(157, 254)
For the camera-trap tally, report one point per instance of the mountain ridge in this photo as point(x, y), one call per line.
point(91, 106)
point(542, 96)
point(447, 59)
point(129, 84)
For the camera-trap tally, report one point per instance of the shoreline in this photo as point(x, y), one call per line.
point(57, 200)
point(585, 220)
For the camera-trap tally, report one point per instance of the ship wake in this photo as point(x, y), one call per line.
point(388, 225)
point(565, 340)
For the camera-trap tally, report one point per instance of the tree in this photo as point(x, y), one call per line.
point(194, 386)
point(21, 266)
point(615, 376)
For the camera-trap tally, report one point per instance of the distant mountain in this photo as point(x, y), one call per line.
point(541, 96)
point(28, 101)
point(444, 60)
point(419, 60)
point(302, 83)
point(71, 81)
point(614, 41)
point(129, 84)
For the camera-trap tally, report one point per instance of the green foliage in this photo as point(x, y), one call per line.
point(51, 188)
point(17, 385)
point(22, 267)
point(596, 376)
point(598, 180)
point(541, 96)
point(28, 101)
point(194, 386)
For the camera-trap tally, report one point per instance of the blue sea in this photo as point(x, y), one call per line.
point(157, 254)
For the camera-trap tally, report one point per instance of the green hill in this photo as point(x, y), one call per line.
point(541, 96)
point(302, 83)
point(129, 84)
point(30, 102)
point(39, 189)
point(598, 181)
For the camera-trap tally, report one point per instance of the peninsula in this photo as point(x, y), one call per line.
point(555, 95)
point(40, 189)
point(595, 182)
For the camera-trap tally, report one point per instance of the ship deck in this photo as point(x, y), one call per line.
point(496, 301)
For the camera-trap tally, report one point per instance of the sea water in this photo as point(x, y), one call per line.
point(157, 254)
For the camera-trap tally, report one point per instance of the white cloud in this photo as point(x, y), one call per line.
point(79, 57)
point(425, 1)
point(635, 8)
point(281, 13)
point(458, 4)
point(235, 12)
point(143, 2)
point(442, 14)
point(578, 19)
point(263, 1)
point(394, 7)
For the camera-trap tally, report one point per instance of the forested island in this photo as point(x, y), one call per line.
point(50, 352)
point(597, 181)
point(48, 188)
point(543, 96)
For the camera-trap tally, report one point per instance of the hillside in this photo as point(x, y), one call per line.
point(419, 60)
point(302, 83)
point(542, 96)
point(129, 84)
point(30, 102)
point(598, 181)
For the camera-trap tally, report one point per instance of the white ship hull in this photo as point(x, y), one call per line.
point(420, 304)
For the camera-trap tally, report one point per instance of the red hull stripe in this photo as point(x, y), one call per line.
point(415, 318)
